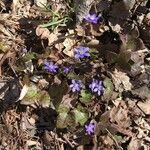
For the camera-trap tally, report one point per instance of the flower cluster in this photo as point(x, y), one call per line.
point(80, 53)
point(90, 128)
point(96, 86)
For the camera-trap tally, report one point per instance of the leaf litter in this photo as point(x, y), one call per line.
point(39, 110)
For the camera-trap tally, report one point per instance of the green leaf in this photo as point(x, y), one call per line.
point(109, 87)
point(81, 115)
point(64, 118)
point(62, 108)
point(118, 138)
point(29, 56)
point(3, 47)
point(34, 94)
point(86, 97)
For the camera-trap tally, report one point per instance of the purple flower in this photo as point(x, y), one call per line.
point(81, 52)
point(66, 70)
point(24, 50)
point(90, 128)
point(75, 86)
point(50, 67)
point(96, 87)
point(92, 18)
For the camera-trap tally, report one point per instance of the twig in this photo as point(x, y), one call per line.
point(66, 139)
point(113, 138)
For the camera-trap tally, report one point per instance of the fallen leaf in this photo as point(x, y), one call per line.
point(142, 92)
point(80, 31)
point(42, 84)
point(120, 116)
point(67, 100)
point(31, 143)
point(52, 38)
point(121, 81)
point(42, 32)
point(134, 144)
point(142, 123)
point(69, 43)
point(23, 92)
point(40, 3)
point(145, 107)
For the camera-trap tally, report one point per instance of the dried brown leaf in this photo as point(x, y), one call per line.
point(120, 115)
point(42, 32)
point(69, 43)
point(121, 81)
point(145, 107)
point(52, 38)
point(134, 144)
point(40, 3)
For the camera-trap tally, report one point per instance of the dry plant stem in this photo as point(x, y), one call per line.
point(66, 139)
point(113, 138)
point(95, 143)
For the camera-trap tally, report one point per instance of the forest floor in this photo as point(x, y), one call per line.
point(75, 75)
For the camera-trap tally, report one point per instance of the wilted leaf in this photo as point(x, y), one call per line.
point(69, 43)
point(145, 107)
point(86, 97)
point(81, 115)
point(52, 38)
point(68, 100)
point(42, 32)
point(40, 3)
point(23, 92)
point(80, 31)
point(119, 115)
point(121, 81)
point(134, 144)
point(138, 58)
point(142, 92)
